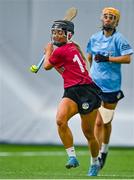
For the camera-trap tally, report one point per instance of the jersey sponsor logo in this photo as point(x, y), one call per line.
point(85, 106)
point(125, 47)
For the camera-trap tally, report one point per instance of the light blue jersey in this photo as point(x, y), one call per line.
point(107, 75)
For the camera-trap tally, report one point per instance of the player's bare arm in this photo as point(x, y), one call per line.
point(48, 52)
point(126, 59)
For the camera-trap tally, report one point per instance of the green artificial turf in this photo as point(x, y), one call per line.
point(48, 162)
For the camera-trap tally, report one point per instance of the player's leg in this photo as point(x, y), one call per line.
point(66, 109)
point(98, 129)
point(87, 124)
point(105, 117)
point(107, 113)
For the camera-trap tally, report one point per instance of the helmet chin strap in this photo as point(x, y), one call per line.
point(58, 44)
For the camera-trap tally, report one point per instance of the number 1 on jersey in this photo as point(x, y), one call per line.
point(76, 58)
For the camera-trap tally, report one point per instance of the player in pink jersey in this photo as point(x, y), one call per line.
point(81, 95)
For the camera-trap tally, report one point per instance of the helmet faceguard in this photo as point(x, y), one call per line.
point(109, 11)
point(66, 26)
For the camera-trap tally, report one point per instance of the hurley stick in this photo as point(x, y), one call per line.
point(69, 16)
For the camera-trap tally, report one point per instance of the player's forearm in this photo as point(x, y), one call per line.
point(121, 59)
point(47, 65)
point(48, 51)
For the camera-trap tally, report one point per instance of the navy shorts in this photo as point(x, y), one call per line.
point(112, 97)
point(86, 96)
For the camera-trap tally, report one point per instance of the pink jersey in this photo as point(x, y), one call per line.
point(68, 61)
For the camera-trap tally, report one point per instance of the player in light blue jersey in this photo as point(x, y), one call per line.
point(107, 50)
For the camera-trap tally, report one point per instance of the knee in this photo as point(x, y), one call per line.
point(61, 121)
point(99, 121)
point(106, 114)
point(99, 124)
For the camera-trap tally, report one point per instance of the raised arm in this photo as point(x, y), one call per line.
point(48, 51)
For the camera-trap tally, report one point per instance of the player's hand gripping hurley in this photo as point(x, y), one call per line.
point(70, 14)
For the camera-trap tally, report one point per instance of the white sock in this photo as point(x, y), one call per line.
point(94, 161)
point(99, 154)
point(71, 151)
point(104, 148)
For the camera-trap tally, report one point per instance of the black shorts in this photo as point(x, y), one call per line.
point(112, 97)
point(86, 96)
